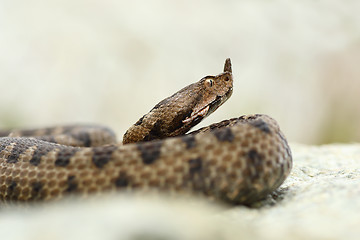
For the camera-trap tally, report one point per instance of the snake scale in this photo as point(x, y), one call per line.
point(239, 161)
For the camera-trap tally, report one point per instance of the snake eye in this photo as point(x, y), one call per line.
point(227, 78)
point(209, 82)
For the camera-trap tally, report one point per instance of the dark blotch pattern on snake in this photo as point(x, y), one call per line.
point(240, 160)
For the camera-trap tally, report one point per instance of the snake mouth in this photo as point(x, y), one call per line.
point(219, 100)
point(208, 109)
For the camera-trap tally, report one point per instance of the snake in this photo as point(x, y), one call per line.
point(238, 161)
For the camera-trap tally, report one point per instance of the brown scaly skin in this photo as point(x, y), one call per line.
point(240, 160)
point(71, 135)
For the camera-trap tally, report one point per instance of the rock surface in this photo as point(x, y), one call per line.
point(320, 200)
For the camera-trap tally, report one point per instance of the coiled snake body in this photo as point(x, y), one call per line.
point(240, 160)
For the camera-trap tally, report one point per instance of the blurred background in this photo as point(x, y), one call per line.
point(111, 61)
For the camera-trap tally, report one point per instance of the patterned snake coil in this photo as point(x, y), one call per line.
point(240, 160)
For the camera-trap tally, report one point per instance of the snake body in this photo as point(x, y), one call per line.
point(240, 160)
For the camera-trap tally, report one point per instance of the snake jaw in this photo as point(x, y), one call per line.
point(202, 113)
point(219, 100)
point(209, 108)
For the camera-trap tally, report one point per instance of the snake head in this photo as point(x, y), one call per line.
point(178, 113)
point(214, 91)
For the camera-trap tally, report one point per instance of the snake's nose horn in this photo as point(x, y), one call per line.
point(227, 65)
